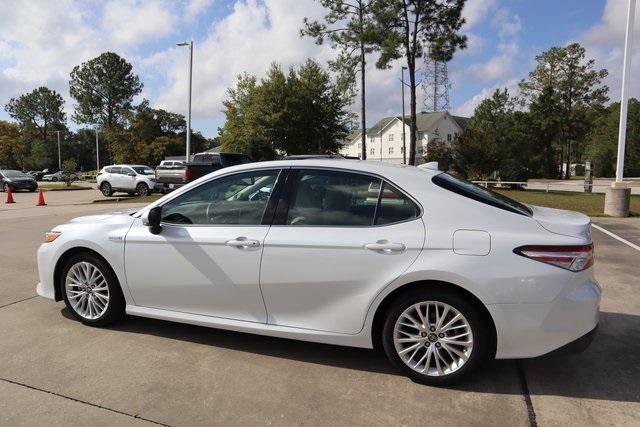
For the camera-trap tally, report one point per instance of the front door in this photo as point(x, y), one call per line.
point(206, 259)
point(343, 237)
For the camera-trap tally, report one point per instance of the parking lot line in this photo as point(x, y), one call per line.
point(615, 236)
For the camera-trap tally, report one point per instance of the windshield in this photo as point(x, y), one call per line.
point(143, 170)
point(15, 174)
point(480, 194)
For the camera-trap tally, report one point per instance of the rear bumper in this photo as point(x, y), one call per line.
point(531, 330)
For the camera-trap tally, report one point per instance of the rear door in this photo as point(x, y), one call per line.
point(337, 239)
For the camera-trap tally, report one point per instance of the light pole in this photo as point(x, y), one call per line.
point(617, 198)
point(190, 44)
point(97, 152)
point(59, 157)
point(404, 140)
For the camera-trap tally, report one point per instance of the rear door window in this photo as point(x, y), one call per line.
point(336, 198)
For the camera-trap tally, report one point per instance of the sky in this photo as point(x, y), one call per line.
point(41, 41)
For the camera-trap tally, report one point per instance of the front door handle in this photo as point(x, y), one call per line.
point(384, 246)
point(243, 242)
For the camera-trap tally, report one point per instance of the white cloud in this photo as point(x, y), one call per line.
point(475, 11)
point(132, 22)
point(500, 66)
point(467, 108)
point(252, 36)
point(195, 7)
point(605, 43)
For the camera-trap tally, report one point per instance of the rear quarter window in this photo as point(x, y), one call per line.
point(480, 194)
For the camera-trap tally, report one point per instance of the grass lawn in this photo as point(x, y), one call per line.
point(58, 187)
point(125, 199)
point(588, 204)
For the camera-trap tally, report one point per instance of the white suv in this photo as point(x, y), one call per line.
point(131, 179)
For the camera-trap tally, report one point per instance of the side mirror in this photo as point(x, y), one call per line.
point(152, 218)
point(131, 174)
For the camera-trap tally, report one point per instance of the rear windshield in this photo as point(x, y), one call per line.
point(480, 194)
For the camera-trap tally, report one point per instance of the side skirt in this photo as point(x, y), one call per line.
point(362, 340)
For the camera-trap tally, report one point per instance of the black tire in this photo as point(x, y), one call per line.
point(131, 193)
point(54, 179)
point(142, 189)
point(106, 189)
point(480, 329)
point(115, 309)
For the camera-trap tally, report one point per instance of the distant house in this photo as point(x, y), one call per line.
point(384, 139)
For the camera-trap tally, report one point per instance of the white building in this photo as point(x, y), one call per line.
point(384, 139)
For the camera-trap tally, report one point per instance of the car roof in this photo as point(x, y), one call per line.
point(371, 166)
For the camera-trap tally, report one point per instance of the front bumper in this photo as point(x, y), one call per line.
point(531, 330)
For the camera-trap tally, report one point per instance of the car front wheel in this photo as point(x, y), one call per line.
point(142, 190)
point(435, 337)
point(91, 290)
point(106, 189)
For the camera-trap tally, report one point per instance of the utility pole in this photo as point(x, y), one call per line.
point(59, 157)
point(190, 44)
point(404, 139)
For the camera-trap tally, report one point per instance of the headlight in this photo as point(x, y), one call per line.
point(51, 236)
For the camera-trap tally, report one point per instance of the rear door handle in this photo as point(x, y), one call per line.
point(243, 242)
point(385, 247)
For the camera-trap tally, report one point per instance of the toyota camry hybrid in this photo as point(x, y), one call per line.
point(438, 272)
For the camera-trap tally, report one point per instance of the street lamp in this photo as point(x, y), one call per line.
point(404, 140)
point(97, 152)
point(190, 44)
point(59, 158)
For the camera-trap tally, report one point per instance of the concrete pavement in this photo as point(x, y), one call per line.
point(54, 370)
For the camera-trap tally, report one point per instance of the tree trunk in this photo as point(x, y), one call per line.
point(362, 100)
point(567, 174)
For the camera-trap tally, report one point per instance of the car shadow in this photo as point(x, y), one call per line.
point(608, 370)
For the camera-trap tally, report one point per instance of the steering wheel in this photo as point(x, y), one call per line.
point(299, 220)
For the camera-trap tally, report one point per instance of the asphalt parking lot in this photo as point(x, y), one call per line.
point(54, 370)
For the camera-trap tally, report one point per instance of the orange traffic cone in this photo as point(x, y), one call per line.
point(41, 198)
point(10, 195)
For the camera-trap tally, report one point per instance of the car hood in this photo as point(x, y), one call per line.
point(559, 221)
point(117, 216)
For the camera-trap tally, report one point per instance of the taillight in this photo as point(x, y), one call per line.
point(573, 258)
point(188, 175)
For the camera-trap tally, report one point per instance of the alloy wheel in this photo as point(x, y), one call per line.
point(87, 290)
point(433, 338)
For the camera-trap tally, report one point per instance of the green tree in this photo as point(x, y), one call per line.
point(300, 112)
point(565, 76)
point(602, 141)
point(69, 168)
point(39, 114)
point(413, 29)
point(350, 27)
point(12, 146)
point(103, 88)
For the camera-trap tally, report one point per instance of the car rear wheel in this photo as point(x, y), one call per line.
point(91, 290)
point(106, 189)
point(435, 337)
point(142, 190)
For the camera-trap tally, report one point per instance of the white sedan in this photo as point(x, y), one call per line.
point(440, 273)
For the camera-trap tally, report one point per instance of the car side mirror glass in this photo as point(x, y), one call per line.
point(131, 174)
point(152, 219)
